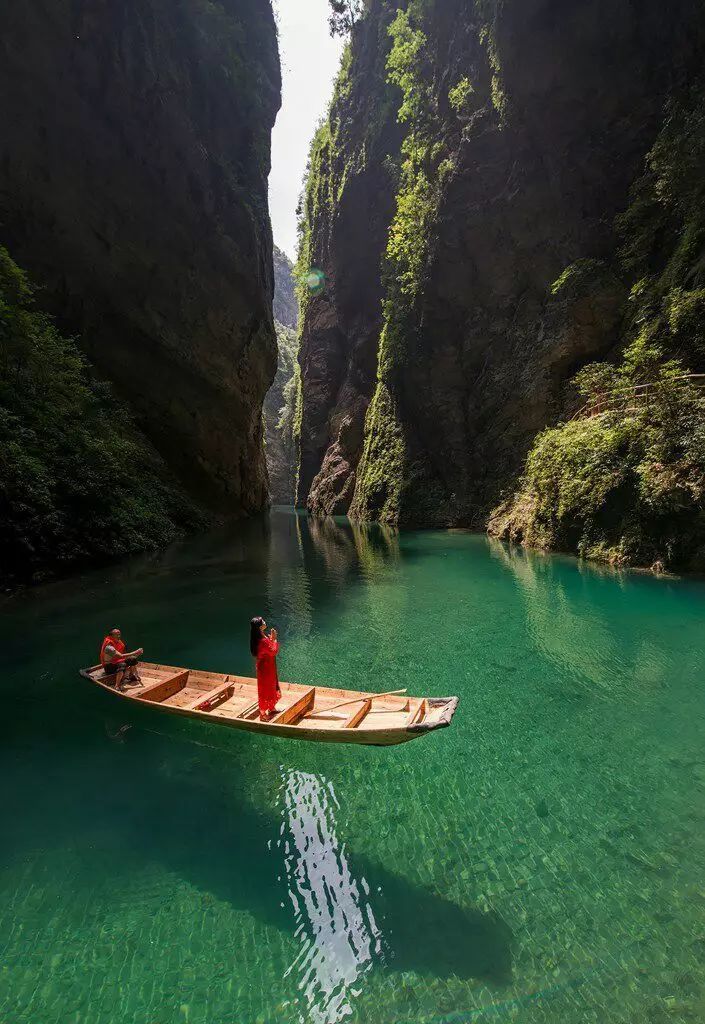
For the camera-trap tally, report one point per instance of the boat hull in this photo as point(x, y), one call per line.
point(316, 715)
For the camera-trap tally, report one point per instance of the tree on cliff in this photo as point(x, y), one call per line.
point(344, 14)
point(77, 483)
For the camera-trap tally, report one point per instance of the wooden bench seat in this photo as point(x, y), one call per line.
point(357, 715)
point(297, 710)
point(250, 712)
point(163, 688)
point(417, 716)
point(218, 695)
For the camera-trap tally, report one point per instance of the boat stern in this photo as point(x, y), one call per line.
point(439, 715)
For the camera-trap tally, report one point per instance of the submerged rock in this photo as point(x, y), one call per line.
point(542, 809)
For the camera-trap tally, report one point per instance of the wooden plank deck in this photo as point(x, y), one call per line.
point(305, 712)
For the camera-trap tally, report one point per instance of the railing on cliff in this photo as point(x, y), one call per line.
point(629, 400)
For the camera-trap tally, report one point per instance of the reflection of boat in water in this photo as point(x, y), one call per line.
point(321, 714)
point(352, 917)
point(336, 926)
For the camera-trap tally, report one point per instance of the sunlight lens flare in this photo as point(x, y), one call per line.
point(315, 281)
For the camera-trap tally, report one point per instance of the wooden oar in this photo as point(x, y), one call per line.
point(364, 696)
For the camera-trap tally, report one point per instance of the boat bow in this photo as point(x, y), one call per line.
point(448, 707)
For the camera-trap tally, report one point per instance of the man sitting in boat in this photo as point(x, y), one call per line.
point(117, 663)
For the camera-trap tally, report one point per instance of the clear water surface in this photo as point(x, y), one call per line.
point(540, 861)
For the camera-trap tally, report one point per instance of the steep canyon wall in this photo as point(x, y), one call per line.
point(464, 202)
point(280, 403)
point(134, 156)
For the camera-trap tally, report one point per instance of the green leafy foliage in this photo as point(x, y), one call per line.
point(384, 472)
point(489, 12)
point(354, 137)
point(383, 459)
point(319, 195)
point(663, 233)
point(578, 277)
point(627, 486)
point(280, 404)
point(77, 484)
point(460, 96)
point(407, 67)
point(343, 15)
point(285, 306)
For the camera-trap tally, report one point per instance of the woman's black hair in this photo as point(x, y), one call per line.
point(255, 633)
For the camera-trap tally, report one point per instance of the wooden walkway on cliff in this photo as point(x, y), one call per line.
point(629, 400)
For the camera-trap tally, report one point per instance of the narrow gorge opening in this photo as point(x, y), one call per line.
point(310, 57)
point(501, 222)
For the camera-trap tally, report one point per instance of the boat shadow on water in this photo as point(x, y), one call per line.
point(280, 859)
point(291, 871)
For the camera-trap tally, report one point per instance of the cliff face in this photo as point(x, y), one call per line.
point(133, 180)
point(280, 403)
point(624, 481)
point(285, 306)
point(524, 126)
point(349, 204)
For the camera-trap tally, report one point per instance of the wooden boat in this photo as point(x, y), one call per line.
point(316, 713)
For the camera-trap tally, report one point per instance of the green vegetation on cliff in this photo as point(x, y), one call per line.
point(516, 235)
point(280, 402)
point(389, 485)
point(77, 484)
point(285, 307)
point(279, 419)
point(628, 486)
point(346, 209)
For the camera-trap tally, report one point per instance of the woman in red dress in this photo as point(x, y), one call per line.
point(264, 649)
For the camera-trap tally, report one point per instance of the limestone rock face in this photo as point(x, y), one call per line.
point(279, 408)
point(530, 121)
point(341, 326)
point(285, 305)
point(280, 403)
point(133, 185)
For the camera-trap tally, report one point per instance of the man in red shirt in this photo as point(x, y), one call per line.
point(119, 664)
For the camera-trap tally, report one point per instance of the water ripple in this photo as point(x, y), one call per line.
point(335, 924)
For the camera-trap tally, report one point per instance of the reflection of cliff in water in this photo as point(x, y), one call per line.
point(570, 624)
point(333, 544)
point(288, 579)
point(320, 565)
point(311, 560)
point(377, 546)
point(345, 548)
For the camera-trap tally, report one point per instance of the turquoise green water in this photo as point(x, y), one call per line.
point(540, 861)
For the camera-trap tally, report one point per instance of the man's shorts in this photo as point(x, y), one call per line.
point(118, 666)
